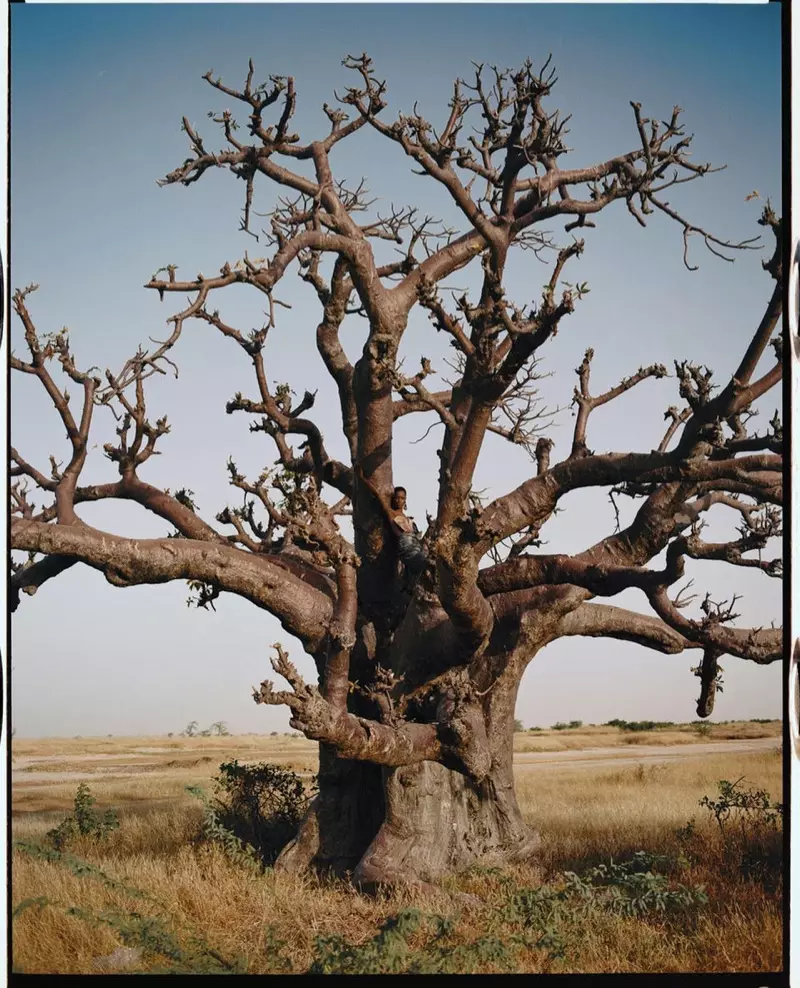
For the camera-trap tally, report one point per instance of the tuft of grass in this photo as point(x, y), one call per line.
point(152, 933)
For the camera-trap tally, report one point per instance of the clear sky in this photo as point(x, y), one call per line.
point(98, 92)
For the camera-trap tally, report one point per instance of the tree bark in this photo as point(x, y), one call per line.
point(438, 822)
point(342, 820)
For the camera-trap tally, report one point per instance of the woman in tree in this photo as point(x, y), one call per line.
point(409, 545)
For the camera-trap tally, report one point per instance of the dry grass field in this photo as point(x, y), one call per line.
point(594, 793)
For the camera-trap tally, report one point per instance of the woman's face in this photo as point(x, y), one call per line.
point(399, 500)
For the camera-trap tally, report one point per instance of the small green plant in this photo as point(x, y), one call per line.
point(518, 726)
point(749, 808)
point(84, 822)
point(701, 728)
point(750, 826)
point(632, 888)
point(628, 888)
point(274, 949)
point(575, 724)
point(559, 726)
point(386, 953)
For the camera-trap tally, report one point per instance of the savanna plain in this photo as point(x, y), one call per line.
point(660, 852)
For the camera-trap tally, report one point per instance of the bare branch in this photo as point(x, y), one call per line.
point(608, 621)
point(587, 403)
point(302, 610)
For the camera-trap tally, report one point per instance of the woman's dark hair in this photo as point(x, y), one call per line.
point(398, 489)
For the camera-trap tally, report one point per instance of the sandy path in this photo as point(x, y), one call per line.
point(644, 753)
point(25, 760)
point(596, 757)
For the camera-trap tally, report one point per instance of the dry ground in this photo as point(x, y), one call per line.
point(593, 793)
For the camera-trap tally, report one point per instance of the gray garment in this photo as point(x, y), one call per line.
point(411, 553)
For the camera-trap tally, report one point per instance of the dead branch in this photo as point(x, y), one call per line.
point(587, 403)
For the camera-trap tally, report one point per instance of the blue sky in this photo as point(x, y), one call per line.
point(98, 92)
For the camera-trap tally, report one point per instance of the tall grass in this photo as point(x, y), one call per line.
point(273, 923)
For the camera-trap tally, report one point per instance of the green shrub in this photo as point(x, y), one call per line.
point(212, 829)
point(574, 724)
point(518, 726)
point(386, 953)
point(559, 726)
point(747, 808)
point(255, 811)
point(632, 888)
point(84, 822)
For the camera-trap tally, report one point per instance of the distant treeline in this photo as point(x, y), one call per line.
point(646, 725)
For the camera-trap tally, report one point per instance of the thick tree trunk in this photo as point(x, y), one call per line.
point(438, 822)
point(419, 822)
point(413, 823)
point(342, 821)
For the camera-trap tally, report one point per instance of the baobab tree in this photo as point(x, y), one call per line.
point(418, 672)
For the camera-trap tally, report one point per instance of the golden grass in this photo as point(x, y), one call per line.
point(604, 736)
point(584, 811)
